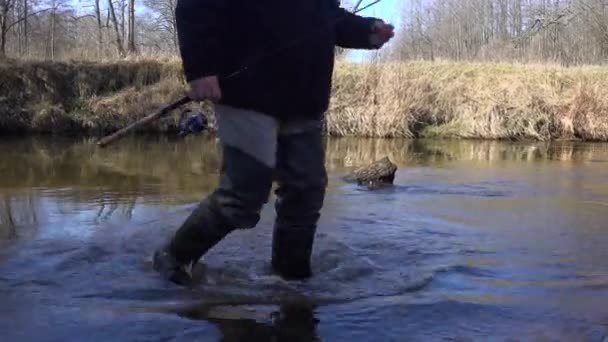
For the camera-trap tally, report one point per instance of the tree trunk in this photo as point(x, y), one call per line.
point(25, 28)
point(174, 23)
point(517, 18)
point(4, 5)
point(52, 40)
point(556, 33)
point(502, 20)
point(122, 21)
point(119, 47)
point(131, 38)
point(99, 27)
point(17, 11)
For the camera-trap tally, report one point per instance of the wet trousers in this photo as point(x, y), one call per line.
point(257, 150)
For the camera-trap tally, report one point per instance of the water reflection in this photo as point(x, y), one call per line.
point(129, 166)
point(19, 215)
point(7, 221)
point(349, 152)
point(43, 178)
point(163, 164)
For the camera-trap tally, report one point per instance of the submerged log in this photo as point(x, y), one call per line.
point(379, 173)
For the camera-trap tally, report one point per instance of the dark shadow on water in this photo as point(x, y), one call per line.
point(292, 322)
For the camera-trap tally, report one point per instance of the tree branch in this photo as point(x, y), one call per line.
point(8, 28)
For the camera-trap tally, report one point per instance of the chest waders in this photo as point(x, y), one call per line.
point(257, 150)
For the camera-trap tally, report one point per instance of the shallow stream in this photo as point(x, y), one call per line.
point(475, 241)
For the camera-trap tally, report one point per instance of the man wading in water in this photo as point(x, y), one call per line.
point(269, 118)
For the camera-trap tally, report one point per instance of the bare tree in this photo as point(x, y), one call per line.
point(566, 31)
point(5, 8)
point(25, 21)
point(165, 19)
point(10, 18)
point(119, 47)
point(122, 5)
point(52, 28)
point(99, 27)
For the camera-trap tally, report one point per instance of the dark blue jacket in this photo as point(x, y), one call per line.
point(287, 46)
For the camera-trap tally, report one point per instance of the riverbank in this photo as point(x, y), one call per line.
point(85, 97)
point(415, 99)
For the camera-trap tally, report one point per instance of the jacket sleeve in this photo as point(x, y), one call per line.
point(198, 32)
point(353, 31)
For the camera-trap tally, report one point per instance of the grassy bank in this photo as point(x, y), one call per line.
point(464, 100)
point(88, 98)
point(417, 99)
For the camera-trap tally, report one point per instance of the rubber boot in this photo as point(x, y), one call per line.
point(201, 231)
point(292, 252)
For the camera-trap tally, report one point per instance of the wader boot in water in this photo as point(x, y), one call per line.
point(302, 180)
point(202, 230)
point(256, 148)
point(236, 204)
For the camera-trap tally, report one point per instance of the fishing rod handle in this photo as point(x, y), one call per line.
point(163, 111)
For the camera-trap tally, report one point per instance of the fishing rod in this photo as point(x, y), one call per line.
point(185, 99)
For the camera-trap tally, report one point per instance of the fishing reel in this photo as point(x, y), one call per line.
point(191, 122)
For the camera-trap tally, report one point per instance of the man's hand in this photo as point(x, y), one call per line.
point(206, 88)
point(381, 33)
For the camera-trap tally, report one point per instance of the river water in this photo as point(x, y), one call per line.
point(475, 241)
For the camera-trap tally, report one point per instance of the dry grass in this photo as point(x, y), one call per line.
point(415, 99)
point(466, 100)
point(114, 111)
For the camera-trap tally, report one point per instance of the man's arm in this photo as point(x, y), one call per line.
point(199, 37)
point(357, 32)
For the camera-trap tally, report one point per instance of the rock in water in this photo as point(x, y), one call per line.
point(379, 173)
